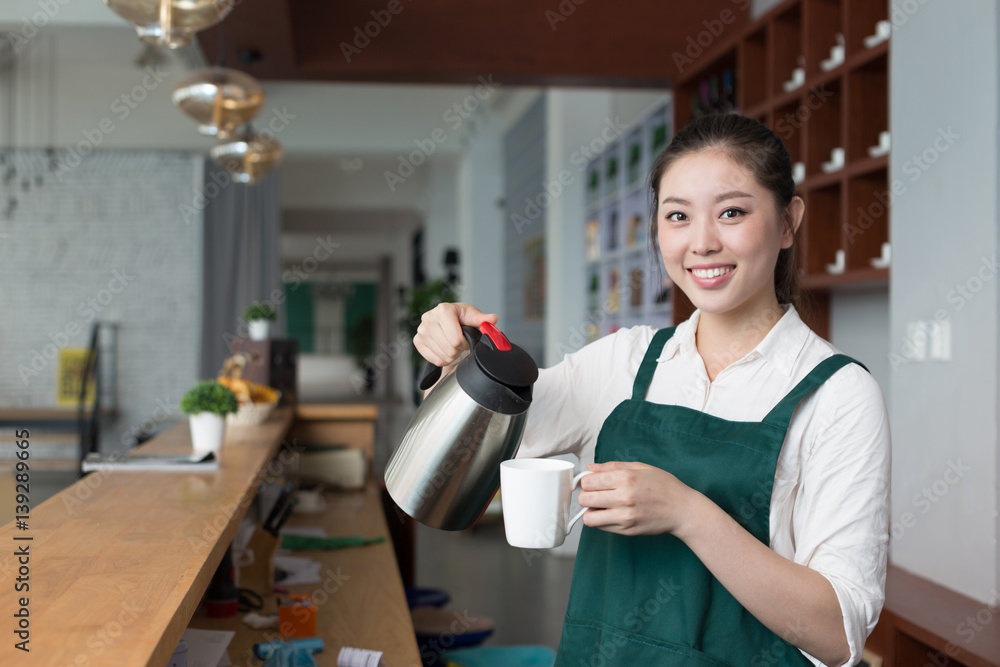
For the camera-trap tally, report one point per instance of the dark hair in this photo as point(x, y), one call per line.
point(752, 145)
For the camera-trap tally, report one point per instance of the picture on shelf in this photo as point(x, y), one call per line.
point(593, 184)
point(659, 142)
point(613, 231)
point(534, 278)
point(614, 291)
point(593, 240)
point(636, 233)
point(611, 176)
point(634, 161)
point(593, 293)
point(637, 278)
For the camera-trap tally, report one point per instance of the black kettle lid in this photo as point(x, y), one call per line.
point(503, 361)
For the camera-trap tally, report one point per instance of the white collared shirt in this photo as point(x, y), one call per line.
point(830, 502)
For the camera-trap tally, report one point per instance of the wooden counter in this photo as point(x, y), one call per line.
point(353, 608)
point(119, 561)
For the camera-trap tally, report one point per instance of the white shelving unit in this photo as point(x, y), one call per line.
point(624, 280)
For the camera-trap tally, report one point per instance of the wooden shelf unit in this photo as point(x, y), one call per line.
point(844, 107)
point(923, 623)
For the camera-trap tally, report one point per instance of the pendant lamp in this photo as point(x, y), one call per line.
point(221, 100)
point(249, 157)
point(170, 23)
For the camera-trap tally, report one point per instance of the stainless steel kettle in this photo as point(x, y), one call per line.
point(446, 469)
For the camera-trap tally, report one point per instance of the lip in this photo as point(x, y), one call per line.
point(709, 283)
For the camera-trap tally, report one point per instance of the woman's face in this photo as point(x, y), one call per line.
point(719, 232)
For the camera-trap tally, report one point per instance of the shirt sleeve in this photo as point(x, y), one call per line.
point(567, 396)
point(841, 515)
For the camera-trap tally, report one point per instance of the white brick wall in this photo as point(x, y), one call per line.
point(106, 242)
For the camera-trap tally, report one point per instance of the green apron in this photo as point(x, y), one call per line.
point(648, 600)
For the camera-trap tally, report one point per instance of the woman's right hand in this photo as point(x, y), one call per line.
point(439, 337)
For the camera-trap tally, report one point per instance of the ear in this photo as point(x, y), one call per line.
point(794, 213)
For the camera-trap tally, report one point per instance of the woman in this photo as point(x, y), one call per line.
point(741, 465)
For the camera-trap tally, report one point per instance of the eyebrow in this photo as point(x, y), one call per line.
point(732, 194)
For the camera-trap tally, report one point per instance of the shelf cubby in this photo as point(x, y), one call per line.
point(786, 47)
point(823, 20)
point(868, 110)
point(860, 21)
point(822, 223)
point(613, 172)
point(823, 126)
point(787, 125)
point(753, 69)
point(868, 219)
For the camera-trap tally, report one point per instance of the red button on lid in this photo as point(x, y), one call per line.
point(500, 341)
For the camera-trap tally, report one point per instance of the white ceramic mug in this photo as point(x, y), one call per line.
point(536, 497)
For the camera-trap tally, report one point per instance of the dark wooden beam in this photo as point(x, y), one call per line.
point(517, 42)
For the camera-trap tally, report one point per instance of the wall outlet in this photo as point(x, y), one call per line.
point(940, 340)
point(915, 348)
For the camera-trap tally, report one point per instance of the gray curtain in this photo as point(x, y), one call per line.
point(241, 261)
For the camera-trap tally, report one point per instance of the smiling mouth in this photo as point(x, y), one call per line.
point(711, 273)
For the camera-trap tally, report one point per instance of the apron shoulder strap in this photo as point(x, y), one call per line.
point(781, 415)
point(648, 365)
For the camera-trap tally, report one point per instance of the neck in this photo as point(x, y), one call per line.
point(723, 338)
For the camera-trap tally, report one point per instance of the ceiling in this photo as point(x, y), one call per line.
point(518, 42)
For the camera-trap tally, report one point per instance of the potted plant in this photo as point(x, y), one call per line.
point(207, 404)
point(258, 317)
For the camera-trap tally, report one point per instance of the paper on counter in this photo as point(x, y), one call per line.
point(207, 648)
point(300, 570)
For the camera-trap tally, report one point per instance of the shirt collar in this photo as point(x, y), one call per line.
point(781, 346)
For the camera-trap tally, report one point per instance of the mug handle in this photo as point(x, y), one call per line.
point(579, 515)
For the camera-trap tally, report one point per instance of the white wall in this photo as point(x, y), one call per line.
point(859, 327)
point(106, 243)
point(944, 235)
point(481, 220)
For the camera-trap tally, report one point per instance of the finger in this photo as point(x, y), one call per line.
point(450, 327)
point(624, 465)
point(428, 344)
point(600, 481)
point(471, 316)
point(607, 519)
point(600, 499)
point(440, 335)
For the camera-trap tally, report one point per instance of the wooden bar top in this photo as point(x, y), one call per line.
point(336, 411)
point(119, 561)
point(354, 608)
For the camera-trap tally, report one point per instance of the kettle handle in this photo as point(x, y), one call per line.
point(432, 373)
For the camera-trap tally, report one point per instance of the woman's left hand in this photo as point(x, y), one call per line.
point(632, 498)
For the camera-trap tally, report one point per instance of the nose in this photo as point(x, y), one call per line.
point(703, 238)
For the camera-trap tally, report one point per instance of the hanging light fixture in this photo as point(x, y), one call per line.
point(249, 157)
point(221, 100)
point(170, 23)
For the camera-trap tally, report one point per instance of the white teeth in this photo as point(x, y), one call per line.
point(711, 273)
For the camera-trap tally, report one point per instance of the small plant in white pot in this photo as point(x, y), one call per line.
point(207, 404)
point(258, 317)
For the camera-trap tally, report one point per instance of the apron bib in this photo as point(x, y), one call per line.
point(648, 600)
